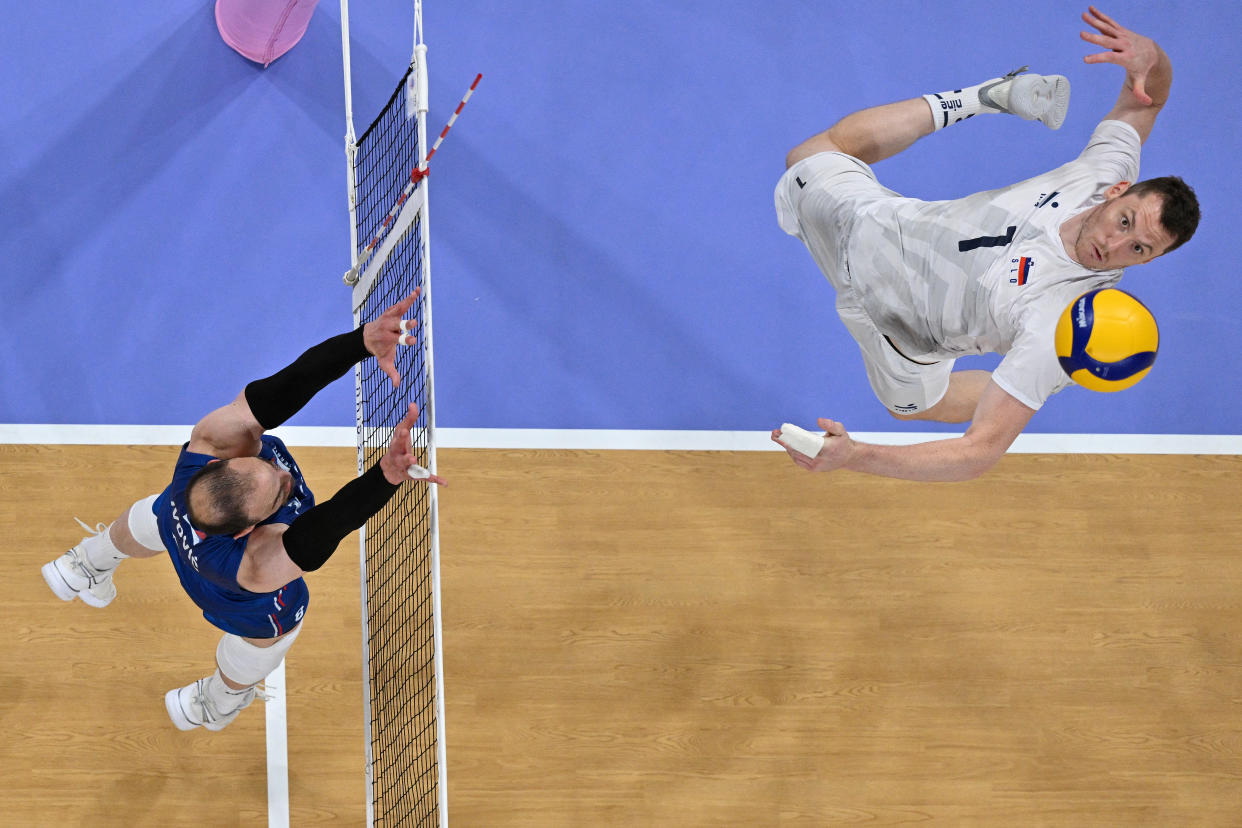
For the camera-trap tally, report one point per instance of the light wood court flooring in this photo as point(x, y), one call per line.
point(683, 639)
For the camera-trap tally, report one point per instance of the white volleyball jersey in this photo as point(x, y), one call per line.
point(987, 273)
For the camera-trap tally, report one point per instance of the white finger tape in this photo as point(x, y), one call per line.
point(407, 324)
point(405, 339)
point(801, 440)
point(418, 472)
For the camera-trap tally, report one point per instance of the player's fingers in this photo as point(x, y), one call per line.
point(400, 443)
point(398, 310)
point(1102, 57)
point(437, 479)
point(391, 371)
point(831, 427)
point(1116, 49)
point(1141, 93)
point(1104, 17)
point(404, 305)
point(1097, 20)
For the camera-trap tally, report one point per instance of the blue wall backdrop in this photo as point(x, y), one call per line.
point(604, 246)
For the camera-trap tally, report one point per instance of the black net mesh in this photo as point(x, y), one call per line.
point(398, 541)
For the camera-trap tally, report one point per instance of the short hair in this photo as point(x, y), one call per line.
point(1179, 208)
point(222, 494)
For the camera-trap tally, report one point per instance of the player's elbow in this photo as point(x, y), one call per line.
point(976, 469)
point(979, 460)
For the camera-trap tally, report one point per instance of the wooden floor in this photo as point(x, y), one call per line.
point(682, 639)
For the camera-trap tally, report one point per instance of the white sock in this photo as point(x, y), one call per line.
point(959, 104)
point(225, 698)
point(100, 552)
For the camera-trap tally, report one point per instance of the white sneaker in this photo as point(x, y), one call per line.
point(72, 576)
point(1043, 98)
point(191, 706)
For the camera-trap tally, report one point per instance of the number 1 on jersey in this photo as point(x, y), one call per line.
point(988, 241)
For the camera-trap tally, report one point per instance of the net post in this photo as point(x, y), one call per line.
point(351, 153)
point(421, 107)
point(402, 630)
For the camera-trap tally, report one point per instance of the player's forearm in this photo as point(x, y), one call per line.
point(275, 399)
point(956, 459)
point(313, 537)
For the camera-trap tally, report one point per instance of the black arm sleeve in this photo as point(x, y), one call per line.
point(312, 538)
point(280, 396)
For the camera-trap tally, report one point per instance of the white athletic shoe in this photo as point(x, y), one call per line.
point(1043, 98)
point(72, 576)
point(191, 706)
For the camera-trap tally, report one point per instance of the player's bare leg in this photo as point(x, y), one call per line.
point(871, 135)
point(959, 402)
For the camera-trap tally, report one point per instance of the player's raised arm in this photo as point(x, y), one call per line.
point(277, 554)
point(234, 429)
point(1149, 74)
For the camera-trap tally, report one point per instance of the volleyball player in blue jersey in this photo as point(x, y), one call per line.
point(241, 525)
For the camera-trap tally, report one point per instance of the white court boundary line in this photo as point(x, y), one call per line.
point(277, 749)
point(627, 439)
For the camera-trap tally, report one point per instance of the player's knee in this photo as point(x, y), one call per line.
point(244, 663)
point(822, 142)
point(138, 535)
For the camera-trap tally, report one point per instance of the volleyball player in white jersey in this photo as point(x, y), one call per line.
point(920, 283)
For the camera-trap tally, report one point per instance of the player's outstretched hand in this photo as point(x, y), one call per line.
point(383, 334)
point(399, 459)
point(838, 447)
point(1136, 53)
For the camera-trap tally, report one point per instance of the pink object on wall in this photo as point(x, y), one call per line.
point(263, 30)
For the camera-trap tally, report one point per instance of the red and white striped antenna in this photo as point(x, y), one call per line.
point(419, 172)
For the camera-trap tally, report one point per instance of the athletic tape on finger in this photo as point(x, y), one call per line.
point(418, 472)
point(801, 440)
point(405, 339)
point(408, 324)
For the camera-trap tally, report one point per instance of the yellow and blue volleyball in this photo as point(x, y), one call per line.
point(1106, 340)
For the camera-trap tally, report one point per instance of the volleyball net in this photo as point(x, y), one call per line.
point(401, 629)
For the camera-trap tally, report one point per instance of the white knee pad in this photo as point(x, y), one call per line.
point(143, 526)
point(243, 663)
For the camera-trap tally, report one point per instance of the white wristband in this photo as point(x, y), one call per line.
point(801, 440)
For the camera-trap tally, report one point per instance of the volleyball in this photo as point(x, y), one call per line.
point(1106, 340)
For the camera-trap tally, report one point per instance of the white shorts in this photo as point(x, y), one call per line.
point(818, 200)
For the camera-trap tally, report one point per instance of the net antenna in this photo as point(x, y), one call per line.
point(403, 660)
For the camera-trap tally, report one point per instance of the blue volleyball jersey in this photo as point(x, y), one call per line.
point(207, 564)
